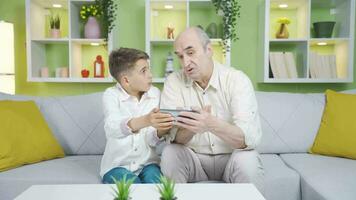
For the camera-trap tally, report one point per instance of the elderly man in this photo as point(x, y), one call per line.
point(217, 141)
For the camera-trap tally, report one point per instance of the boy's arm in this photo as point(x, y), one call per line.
point(115, 124)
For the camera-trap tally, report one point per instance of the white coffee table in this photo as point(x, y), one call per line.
point(207, 191)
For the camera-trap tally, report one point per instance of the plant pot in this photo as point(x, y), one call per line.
point(55, 33)
point(92, 28)
point(174, 198)
point(282, 32)
point(212, 30)
point(323, 29)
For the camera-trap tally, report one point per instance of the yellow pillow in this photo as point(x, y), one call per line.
point(337, 132)
point(24, 135)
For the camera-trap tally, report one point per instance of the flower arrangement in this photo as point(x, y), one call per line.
point(166, 189)
point(230, 11)
point(283, 20)
point(90, 11)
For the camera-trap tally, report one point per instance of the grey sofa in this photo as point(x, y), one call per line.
point(289, 122)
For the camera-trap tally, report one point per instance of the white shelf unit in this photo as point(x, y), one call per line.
point(71, 51)
point(179, 14)
point(302, 41)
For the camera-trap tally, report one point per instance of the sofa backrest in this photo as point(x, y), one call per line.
point(76, 121)
point(289, 121)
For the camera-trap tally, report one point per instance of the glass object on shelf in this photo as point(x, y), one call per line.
point(169, 64)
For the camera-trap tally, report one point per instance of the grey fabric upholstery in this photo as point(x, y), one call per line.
point(68, 170)
point(77, 122)
point(281, 182)
point(289, 121)
point(289, 124)
point(324, 177)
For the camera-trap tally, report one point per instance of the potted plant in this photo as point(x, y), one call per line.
point(282, 31)
point(166, 189)
point(89, 14)
point(122, 190)
point(108, 8)
point(55, 25)
point(230, 11)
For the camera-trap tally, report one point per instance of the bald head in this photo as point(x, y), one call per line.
point(195, 32)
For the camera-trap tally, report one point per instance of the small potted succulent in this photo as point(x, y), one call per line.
point(55, 25)
point(122, 190)
point(166, 189)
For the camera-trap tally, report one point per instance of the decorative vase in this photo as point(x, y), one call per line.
point(282, 31)
point(323, 29)
point(55, 33)
point(92, 28)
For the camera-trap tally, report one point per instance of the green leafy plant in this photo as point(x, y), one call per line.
point(92, 10)
point(109, 8)
point(122, 190)
point(55, 22)
point(166, 188)
point(230, 11)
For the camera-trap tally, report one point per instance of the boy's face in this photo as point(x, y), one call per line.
point(140, 77)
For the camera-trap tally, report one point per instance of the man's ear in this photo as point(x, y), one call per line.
point(209, 50)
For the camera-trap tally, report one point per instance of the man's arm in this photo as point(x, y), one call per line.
point(244, 131)
point(205, 122)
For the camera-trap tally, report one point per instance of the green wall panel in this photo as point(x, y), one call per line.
point(130, 32)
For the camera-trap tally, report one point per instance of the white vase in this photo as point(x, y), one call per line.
point(55, 33)
point(92, 28)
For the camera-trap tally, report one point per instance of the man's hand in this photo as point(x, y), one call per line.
point(198, 121)
point(161, 121)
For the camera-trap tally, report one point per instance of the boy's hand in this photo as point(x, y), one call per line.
point(161, 121)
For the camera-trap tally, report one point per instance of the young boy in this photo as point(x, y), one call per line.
point(133, 123)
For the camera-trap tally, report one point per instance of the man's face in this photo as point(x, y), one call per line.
point(140, 78)
point(193, 56)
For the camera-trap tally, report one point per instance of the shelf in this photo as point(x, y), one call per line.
point(73, 80)
point(62, 59)
point(182, 14)
point(317, 60)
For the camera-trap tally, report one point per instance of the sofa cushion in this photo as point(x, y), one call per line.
point(68, 170)
point(289, 121)
point(324, 177)
point(25, 135)
point(77, 122)
point(281, 182)
point(337, 132)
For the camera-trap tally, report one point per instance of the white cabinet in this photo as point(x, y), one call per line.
point(52, 58)
point(317, 58)
point(179, 14)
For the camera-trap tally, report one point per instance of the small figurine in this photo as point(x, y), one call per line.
point(169, 65)
point(98, 67)
point(170, 31)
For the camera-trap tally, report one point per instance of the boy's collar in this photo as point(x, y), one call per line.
point(125, 96)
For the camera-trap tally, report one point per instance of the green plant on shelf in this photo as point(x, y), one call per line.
point(55, 22)
point(122, 190)
point(230, 11)
point(109, 8)
point(166, 188)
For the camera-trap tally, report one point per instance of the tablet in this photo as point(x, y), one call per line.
point(175, 112)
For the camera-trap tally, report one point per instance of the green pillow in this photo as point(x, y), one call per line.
point(337, 132)
point(25, 135)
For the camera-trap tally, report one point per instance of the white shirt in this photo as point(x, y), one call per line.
point(123, 148)
point(232, 99)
